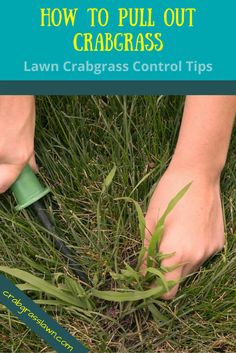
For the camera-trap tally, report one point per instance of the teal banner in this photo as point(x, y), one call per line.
point(37, 320)
point(75, 40)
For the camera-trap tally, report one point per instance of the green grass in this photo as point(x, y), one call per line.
point(78, 142)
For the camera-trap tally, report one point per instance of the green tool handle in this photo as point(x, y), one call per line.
point(27, 189)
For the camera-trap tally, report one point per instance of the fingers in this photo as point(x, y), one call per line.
point(175, 260)
point(174, 275)
point(186, 264)
point(10, 172)
point(8, 175)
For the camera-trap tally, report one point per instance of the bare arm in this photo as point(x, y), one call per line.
point(17, 124)
point(205, 132)
point(195, 229)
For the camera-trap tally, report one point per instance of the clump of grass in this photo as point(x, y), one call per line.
point(132, 285)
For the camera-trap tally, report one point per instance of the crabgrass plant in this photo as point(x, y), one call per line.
point(132, 285)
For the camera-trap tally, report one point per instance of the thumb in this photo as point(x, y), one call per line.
point(174, 275)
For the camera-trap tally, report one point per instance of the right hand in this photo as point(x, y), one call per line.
point(194, 230)
point(17, 126)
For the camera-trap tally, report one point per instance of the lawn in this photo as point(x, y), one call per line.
point(79, 140)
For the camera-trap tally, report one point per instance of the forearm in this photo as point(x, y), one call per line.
point(205, 133)
point(9, 104)
point(17, 115)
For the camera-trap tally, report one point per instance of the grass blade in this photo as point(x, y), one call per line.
point(154, 242)
point(108, 180)
point(173, 202)
point(157, 316)
point(159, 229)
point(42, 285)
point(131, 296)
point(158, 273)
point(141, 219)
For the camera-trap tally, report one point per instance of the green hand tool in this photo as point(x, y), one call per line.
point(29, 192)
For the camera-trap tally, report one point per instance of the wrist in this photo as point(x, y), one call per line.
point(202, 167)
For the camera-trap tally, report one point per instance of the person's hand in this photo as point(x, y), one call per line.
point(194, 230)
point(17, 125)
